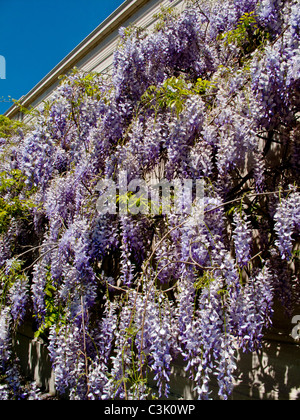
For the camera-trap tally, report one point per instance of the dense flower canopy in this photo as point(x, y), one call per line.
point(210, 94)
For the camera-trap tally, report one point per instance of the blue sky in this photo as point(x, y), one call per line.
point(35, 35)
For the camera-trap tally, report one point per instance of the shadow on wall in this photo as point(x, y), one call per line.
point(272, 373)
point(34, 359)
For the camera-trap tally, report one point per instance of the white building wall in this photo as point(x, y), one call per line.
point(95, 53)
point(101, 58)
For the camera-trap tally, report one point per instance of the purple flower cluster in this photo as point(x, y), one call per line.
point(242, 239)
point(5, 337)
point(123, 355)
point(208, 344)
point(66, 352)
point(287, 220)
point(156, 339)
point(18, 298)
point(257, 310)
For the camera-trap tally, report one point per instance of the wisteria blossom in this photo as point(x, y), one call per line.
point(210, 95)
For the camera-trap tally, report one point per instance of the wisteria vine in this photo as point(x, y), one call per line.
point(211, 94)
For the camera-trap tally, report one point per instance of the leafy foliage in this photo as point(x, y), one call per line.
point(248, 35)
point(174, 93)
point(16, 206)
point(54, 314)
point(8, 127)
